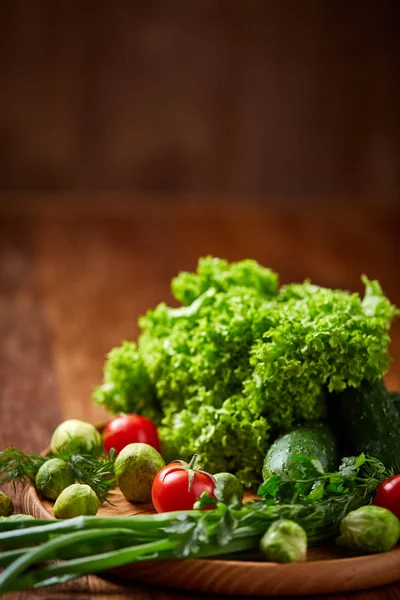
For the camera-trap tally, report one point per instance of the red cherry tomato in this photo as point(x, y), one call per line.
point(388, 495)
point(171, 489)
point(128, 429)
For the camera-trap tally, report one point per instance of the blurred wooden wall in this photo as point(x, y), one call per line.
point(243, 96)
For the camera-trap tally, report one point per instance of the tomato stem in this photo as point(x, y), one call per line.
point(192, 461)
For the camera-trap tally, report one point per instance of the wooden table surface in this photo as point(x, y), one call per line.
point(76, 270)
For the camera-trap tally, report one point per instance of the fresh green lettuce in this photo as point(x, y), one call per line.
point(242, 359)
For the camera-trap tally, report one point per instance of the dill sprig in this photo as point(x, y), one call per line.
point(17, 467)
point(95, 471)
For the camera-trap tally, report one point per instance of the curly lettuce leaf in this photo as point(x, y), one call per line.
point(127, 387)
point(221, 275)
point(231, 438)
point(240, 361)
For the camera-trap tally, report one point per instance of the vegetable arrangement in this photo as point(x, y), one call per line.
point(245, 385)
point(242, 360)
point(92, 544)
point(52, 477)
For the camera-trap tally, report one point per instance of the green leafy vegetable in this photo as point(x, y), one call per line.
point(318, 500)
point(355, 474)
point(127, 383)
point(242, 360)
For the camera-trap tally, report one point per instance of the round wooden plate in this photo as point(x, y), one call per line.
point(327, 569)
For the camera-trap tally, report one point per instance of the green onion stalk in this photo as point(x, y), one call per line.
point(94, 544)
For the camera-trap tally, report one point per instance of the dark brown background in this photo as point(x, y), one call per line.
point(289, 99)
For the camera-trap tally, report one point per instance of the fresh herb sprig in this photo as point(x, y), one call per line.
point(17, 467)
point(95, 471)
point(318, 500)
point(313, 484)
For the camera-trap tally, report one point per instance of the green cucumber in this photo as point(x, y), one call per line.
point(315, 440)
point(367, 419)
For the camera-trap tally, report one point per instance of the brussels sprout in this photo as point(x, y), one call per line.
point(18, 517)
point(369, 529)
point(77, 499)
point(53, 477)
point(229, 487)
point(135, 469)
point(76, 436)
point(6, 505)
point(285, 541)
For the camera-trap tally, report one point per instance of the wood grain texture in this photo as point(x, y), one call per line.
point(26, 374)
point(224, 96)
point(78, 268)
point(29, 406)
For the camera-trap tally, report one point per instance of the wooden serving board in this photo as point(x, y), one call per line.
point(327, 569)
